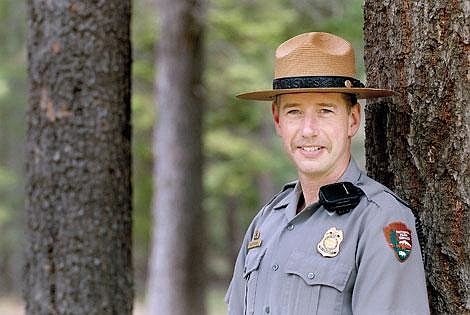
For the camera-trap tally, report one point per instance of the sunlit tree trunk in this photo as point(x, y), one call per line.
point(418, 142)
point(177, 270)
point(78, 203)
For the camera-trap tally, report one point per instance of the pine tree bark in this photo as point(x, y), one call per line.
point(418, 142)
point(78, 204)
point(177, 270)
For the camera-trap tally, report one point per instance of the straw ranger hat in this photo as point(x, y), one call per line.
point(315, 62)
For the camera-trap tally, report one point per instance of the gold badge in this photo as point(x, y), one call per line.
point(256, 241)
point(329, 245)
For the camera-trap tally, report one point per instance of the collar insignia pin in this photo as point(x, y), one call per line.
point(329, 245)
point(256, 241)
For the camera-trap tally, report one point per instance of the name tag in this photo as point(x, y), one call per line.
point(256, 240)
point(254, 243)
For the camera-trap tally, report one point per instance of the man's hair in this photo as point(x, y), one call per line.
point(351, 100)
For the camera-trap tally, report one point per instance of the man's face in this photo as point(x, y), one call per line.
point(316, 129)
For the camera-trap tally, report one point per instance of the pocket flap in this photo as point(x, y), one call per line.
point(253, 260)
point(315, 270)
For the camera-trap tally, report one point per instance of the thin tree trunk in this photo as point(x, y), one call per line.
point(265, 179)
point(233, 232)
point(78, 205)
point(418, 143)
point(177, 270)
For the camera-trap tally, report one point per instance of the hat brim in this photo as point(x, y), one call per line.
point(361, 93)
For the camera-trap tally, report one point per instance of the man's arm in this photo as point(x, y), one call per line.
point(235, 296)
point(390, 272)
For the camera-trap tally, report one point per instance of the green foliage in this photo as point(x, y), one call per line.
point(8, 179)
point(241, 41)
point(12, 104)
point(13, 91)
point(239, 147)
point(144, 36)
point(8, 182)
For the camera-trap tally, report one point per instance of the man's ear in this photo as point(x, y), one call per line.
point(275, 112)
point(354, 120)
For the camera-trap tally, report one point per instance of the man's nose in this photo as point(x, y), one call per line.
point(310, 126)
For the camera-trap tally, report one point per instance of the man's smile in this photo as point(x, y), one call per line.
point(310, 149)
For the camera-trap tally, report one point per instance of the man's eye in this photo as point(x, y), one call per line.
point(326, 110)
point(293, 112)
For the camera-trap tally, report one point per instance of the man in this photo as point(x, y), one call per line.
point(335, 241)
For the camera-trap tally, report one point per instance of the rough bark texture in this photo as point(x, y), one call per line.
point(177, 270)
point(78, 255)
point(418, 142)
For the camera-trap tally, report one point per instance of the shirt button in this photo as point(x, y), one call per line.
point(267, 309)
point(310, 275)
point(290, 227)
point(275, 267)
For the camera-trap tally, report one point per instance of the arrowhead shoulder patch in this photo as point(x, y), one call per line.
point(398, 237)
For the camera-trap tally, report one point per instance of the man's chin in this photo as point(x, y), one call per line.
point(311, 171)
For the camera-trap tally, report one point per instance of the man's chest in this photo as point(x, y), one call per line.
point(301, 266)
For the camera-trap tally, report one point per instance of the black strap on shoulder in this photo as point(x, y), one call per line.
point(340, 197)
point(419, 232)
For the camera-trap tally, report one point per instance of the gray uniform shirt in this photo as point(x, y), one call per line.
point(280, 270)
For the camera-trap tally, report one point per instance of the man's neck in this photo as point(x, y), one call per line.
point(310, 190)
point(311, 186)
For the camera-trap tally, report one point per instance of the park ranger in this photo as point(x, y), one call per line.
point(334, 241)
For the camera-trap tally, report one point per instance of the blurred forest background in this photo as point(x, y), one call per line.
point(244, 163)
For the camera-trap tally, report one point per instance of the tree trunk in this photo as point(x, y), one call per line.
point(177, 270)
point(418, 143)
point(78, 205)
point(233, 232)
point(265, 182)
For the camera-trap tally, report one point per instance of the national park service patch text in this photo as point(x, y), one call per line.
point(398, 236)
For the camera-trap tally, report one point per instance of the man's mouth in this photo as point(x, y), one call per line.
point(311, 149)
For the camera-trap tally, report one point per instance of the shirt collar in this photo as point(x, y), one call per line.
point(291, 210)
point(359, 178)
point(352, 174)
point(290, 198)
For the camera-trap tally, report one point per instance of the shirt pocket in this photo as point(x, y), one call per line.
point(250, 274)
point(315, 284)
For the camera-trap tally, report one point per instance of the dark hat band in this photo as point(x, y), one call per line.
point(316, 82)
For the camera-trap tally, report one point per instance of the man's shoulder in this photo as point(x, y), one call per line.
point(380, 194)
point(385, 200)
